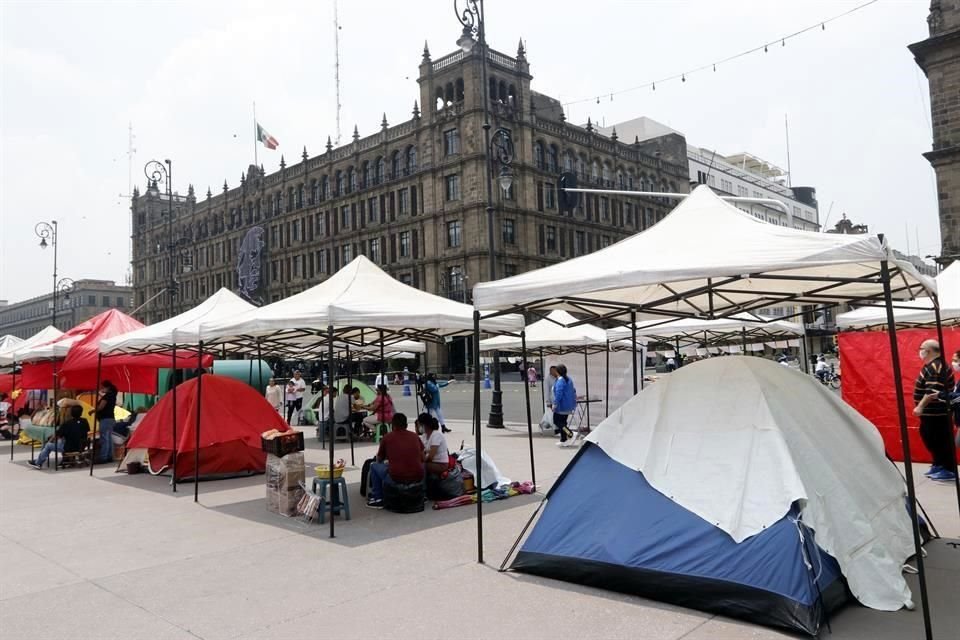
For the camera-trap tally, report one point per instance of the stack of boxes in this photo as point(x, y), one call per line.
point(284, 475)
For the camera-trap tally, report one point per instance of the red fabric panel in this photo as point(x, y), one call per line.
point(867, 371)
point(36, 375)
point(232, 417)
point(6, 386)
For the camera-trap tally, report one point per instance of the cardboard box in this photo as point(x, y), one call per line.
point(284, 502)
point(286, 472)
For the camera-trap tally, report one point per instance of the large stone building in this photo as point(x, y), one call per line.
point(939, 57)
point(741, 175)
point(412, 198)
point(87, 299)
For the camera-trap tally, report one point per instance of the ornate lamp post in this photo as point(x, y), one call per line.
point(500, 147)
point(157, 172)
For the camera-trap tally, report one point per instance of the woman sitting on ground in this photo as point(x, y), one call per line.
point(436, 455)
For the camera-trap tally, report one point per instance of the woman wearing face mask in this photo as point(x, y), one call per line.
point(931, 395)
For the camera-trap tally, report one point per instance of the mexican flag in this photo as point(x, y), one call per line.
point(268, 140)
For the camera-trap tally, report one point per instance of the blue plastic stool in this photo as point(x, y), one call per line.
point(338, 499)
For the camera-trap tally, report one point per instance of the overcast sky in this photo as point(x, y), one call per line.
point(74, 74)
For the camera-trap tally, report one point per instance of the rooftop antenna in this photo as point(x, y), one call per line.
point(786, 127)
point(823, 227)
point(131, 151)
point(336, 63)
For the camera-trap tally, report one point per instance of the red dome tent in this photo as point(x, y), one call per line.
point(232, 417)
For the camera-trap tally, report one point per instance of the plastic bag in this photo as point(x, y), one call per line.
point(490, 475)
point(546, 422)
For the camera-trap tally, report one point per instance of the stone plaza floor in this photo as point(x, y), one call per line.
point(118, 556)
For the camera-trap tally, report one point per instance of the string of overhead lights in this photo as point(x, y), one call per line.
point(682, 76)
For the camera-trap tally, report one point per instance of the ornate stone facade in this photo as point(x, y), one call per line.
point(412, 198)
point(939, 57)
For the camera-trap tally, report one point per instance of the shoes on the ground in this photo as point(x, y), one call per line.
point(933, 470)
point(34, 464)
point(443, 429)
point(375, 504)
point(566, 443)
point(943, 476)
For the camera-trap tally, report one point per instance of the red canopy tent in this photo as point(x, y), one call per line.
point(868, 380)
point(136, 373)
point(7, 386)
point(232, 417)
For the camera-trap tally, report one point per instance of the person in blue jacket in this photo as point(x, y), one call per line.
point(431, 399)
point(564, 403)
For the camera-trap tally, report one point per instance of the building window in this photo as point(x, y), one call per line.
point(106, 301)
point(604, 241)
point(411, 159)
point(297, 266)
point(453, 233)
point(539, 196)
point(605, 209)
point(453, 187)
point(509, 270)
point(550, 195)
point(551, 238)
point(345, 217)
point(91, 301)
point(374, 251)
point(406, 279)
point(451, 142)
point(404, 201)
point(404, 244)
point(455, 283)
point(347, 253)
point(378, 173)
point(373, 210)
point(581, 246)
point(509, 232)
point(538, 155)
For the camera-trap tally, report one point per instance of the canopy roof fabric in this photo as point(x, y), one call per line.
point(552, 333)
point(183, 329)
point(9, 355)
point(918, 312)
point(758, 444)
point(359, 300)
point(708, 259)
point(48, 343)
point(8, 343)
point(693, 331)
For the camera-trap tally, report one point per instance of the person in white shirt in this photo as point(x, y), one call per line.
point(436, 455)
point(274, 395)
point(822, 368)
point(381, 379)
point(299, 385)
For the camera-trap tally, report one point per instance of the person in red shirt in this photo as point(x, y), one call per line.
point(403, 450)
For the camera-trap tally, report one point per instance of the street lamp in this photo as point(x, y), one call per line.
point(470, 14)
point(157, 172)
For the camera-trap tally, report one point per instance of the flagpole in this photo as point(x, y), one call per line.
point(256, 137)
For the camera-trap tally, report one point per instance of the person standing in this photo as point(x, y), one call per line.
point(564, 403)
point(299, 387)
point(432, 400)
point(532, 376)
point(381, 380)
point(290, 398)
point(936, 431)
point(274, 395)
point(106, 405)
point(671, 364)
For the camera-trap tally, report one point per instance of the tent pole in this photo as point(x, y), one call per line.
point(526, 393)
point(96, 401)
point(477, 483)
point(259, 368)
point(173, 390)
point(333, 424)
point(350, 425)
point(56, 415)
point(606, 403)
point(196, 443)
point(543, 378)
point(586, 377)
point(905, 441)
point(943, 356)
point(250, 373)
point(676, 345)
point(633, 346)
point(13, 388)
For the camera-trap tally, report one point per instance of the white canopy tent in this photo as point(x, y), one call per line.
point(44, 345)
point(709, 260)
point(915, 312)
point(8, 343)
point(551, 333)
point(358, 302)
point(692, 331)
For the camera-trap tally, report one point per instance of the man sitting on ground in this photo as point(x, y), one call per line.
point(404, 451)
point(71, 437)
